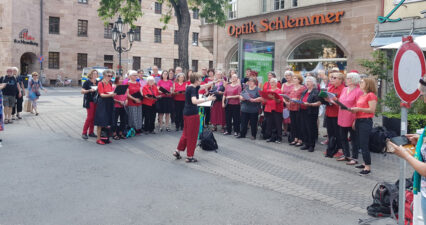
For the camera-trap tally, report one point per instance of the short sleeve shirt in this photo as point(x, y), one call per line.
point(363, 103)
point(190, 109)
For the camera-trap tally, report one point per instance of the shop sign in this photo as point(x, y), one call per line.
point(25, 38)
point(286, 23)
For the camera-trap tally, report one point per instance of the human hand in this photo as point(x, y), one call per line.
point(414, 138)
point(138, 100)
point(398, 150)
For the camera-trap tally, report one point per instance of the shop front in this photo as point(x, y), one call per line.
point(336, 34)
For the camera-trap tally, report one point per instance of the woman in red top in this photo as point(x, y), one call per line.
point(231, 103)
point(217, 111)
point(267, 85)
point(105, 104)
point(150, 94)
point(134, 104)
point(331, 111)
point(119, 112)
point(179, 88)
point(296, 120)
point(274, 113)
point(365, 109)
point(164, 105)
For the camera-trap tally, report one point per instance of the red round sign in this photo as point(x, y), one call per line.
point(409, 67)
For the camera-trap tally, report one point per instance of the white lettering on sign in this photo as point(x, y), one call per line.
point(410, 70)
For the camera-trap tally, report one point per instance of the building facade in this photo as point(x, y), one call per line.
point(68, 35)
point(330, 33)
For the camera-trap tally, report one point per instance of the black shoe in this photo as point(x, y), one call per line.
point(84, 136)
point(305, 147)
point(311, 149)
point(364, 172)
point(241, 136)
point(92, 135)
point(360, 166)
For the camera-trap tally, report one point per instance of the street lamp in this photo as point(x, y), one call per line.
point(118, 35)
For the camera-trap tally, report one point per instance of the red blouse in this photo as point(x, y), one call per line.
point(149, 90)
point(295, 94)
point(180, 88)
point(133, 88)
point(104, 88)
point(363, 103)
point(272, 105)
point(333, 110)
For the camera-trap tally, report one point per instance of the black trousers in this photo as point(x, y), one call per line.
point(296, 125)
point(179, 105)
point(232, 113)
point(207, 116)
point(245, 118)
point(122, 114)
point(274, 124)
point(333, 132)
point(310, 128)
point(149, 112)
point(344, 131)
point(18, 105)
point(363, 128)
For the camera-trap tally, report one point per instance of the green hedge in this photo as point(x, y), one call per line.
point(415, 121)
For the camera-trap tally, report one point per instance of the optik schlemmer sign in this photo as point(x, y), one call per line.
point(285, 23)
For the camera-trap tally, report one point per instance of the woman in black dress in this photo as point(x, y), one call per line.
point(105, 104)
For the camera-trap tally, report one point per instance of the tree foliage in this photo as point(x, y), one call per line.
point(213, 11)
point(379, 65)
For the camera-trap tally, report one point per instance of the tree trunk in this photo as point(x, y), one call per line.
point(184, 24)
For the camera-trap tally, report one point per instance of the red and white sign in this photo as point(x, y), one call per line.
point(408, 68)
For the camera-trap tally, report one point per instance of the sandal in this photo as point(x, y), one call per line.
point(116, 137)
point(293, 143)
point(122, 136)
point(352, 162)
point(177, 155)
point(191, 160)
point(343, 158)
point(298, 144)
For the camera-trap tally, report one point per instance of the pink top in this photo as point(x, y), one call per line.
point(231, 91)
point(287, 89)
point(166, 85)
point(346, 118)
point(121, 98)
point(295, 94)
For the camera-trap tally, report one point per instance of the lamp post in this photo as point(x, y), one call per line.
point(118, 35)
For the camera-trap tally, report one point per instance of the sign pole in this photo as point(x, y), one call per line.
point(402, 169)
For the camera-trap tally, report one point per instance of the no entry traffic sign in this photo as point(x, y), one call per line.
point(409, 67)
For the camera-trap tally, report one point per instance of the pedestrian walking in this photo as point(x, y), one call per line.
point(190, 132)
point(34, 87)
point(9, 94)
point(16, 111)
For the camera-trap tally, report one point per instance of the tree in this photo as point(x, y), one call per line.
point(213, 11)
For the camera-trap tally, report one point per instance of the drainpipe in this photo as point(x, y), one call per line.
point(41, 39)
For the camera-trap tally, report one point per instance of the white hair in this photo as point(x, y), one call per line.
point(15, 68)
point(288, 72)
point(355, 77)
point(311, 79)
point(273, 80)
point(180, 75)
point(132, 72)
point(150, 78)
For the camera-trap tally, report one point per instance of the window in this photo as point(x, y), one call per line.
point(157, 62)
point(278, 4)
point(232, 11)
point(53, 60)
point(54, 25)
point(136, 63)
point(108, 31)
point(82, 28)
point(108, 58)
point(158, 8)
point(82, 1)
point(157, 35)
point(195, 14)
point(264, 6)
point(176, 37)
point(195, 39)
point(176, 63)
point(294, 3)
point(137, 31)
point(195, 65)
point(81, 61)
point(210, 64)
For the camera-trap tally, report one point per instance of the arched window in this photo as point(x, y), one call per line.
point(319, 52)
point(233, 63)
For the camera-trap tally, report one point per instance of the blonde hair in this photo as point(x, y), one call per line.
point(299, 77)
point(370, 85)
point(90, 74)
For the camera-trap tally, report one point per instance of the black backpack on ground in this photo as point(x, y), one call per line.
point(377, 140)
point(207, 141)
point(385, 200)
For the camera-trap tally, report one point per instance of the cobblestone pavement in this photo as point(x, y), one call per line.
point(277, 167)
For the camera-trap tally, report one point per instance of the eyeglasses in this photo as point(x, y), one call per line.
point(108, 75)
point(334, 78)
